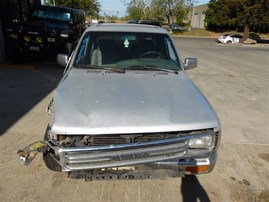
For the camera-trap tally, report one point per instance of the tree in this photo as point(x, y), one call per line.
point(90, 7)
point(244, 15)
point(169, 10)
point(221, 15)
point(136, 9)
point(181, 11)
point(253, 13)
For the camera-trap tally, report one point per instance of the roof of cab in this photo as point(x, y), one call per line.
point(115, 27)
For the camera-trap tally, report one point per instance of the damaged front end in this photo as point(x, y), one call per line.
point(127, 156)
point(27, 154)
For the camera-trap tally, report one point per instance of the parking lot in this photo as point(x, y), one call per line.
point(234, 78)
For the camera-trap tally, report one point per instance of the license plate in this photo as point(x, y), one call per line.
point(125, 168)
point(51, 39)
point(32, 48)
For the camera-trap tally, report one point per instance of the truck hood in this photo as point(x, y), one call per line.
point(99, 102)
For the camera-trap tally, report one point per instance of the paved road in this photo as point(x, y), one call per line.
point(235, 79)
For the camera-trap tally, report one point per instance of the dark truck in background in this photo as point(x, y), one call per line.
point(50, 30)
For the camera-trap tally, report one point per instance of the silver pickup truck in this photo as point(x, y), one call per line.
point(125, 109)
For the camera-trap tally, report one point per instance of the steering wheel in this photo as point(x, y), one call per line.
point(156, 53)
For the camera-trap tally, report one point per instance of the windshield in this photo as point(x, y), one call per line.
point(147, 51)
point(51, 13)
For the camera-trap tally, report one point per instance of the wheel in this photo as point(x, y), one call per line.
point(152, 53)
point(229, 41)
point(49, 160)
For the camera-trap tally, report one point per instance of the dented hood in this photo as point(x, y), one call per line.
point(99, 102)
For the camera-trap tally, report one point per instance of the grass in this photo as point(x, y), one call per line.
point(205, 33)
point(264, 36)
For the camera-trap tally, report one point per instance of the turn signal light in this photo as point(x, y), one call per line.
point(26, 38)
point(197, 169)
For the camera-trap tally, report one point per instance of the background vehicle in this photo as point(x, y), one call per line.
point(230, 38)
point(52, 29)
point(175, 27)
point(145, 22)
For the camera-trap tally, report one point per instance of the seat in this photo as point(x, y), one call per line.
point(96, 58)
point(107, 51)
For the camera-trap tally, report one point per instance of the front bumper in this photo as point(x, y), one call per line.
point(221, 40)
point(159, 170)
point(41, 47)
point(43, 44)
point(167, 154)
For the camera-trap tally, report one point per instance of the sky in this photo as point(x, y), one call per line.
point(117, 7)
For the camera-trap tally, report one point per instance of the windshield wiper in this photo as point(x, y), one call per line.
point(150, 67)
point(89, 66)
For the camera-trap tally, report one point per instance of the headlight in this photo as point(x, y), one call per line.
point(26, 38)
point(203, 142)
point(38, 40)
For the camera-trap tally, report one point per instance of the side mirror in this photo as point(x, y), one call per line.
point(190, 63)
point(62, 59)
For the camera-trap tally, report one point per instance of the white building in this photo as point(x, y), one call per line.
point(196, 16)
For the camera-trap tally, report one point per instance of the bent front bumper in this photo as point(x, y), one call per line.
point(168, 154)
point(171, 169)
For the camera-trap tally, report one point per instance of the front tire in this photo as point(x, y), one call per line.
point(14, 55)
point(50, 162)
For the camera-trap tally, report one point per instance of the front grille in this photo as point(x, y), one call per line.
point(124, 139)
point(97, 141)
point(97, 152)
point(97, 157)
